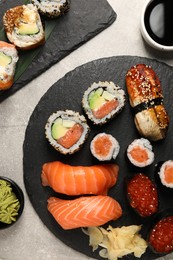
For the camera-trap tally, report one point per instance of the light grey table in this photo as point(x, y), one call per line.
point(30, 239)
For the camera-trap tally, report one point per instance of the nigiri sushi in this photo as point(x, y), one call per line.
point(23, 27)
point(8, 60)
point(52, 8)
point(84, 211)
point(102, 101)
point(77, 180)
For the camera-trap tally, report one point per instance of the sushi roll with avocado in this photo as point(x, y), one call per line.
point(104, 147)
point(66, 131)
point(166, 173)
point(140, 153)
point(52, 8)
point(102, 101)
point(8, 60)
point(23, 27)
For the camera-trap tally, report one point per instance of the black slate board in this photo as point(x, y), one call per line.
point(67, 94)
point(84, 20)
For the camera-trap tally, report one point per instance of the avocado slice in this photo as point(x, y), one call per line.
point(4, 59)
point(95, 99)
point(60, 127)
point(28, 28)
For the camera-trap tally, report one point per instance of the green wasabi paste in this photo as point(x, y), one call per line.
point(9, 204)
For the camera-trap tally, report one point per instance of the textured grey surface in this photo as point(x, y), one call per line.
point(30, 239)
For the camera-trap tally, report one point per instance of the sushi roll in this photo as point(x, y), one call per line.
point(23, 27)
point(8, 60)
point(104, 147)
point(102, 101)
point(66, 131)
point(140, 153)
point(166, 173)
point(52, 8)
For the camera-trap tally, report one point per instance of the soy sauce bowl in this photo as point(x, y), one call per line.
point(20, 196)
point(156, 41)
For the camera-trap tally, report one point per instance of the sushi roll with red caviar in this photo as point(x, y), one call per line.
point(66, 131)
point(8, 60)
point(23, 27)
point(52, 8)
point(102, 101)
point(166, 173)
point(140, 153)
point(104, 147)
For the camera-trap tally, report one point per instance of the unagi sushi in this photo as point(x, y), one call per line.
point(84, 211)
point(52, 8)
point(66, 131)
point(8, 60)
point(77, 180)
point(102, 101)
point(23, 27)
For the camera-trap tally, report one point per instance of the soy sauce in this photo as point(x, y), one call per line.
point(158, 21)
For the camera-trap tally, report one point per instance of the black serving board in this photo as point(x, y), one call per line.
point(84, 20)
point(67, 94)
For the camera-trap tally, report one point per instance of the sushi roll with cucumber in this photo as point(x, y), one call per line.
point(8, 60)
point(66, 131)
point(104, 147)
point(23, 27)
point(102, 101)
point(166, 173)
point(140, 152)
point(52, 8)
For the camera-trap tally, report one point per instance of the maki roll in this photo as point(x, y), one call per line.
point(66, 131)
point(102, 101)
point(104, 147)
point(8, 60)
point(52, 8)
point(166, 173)
point(23, 27)
point(140, 153)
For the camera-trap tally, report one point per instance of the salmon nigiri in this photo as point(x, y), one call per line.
point(78, 180)
point(84, 211)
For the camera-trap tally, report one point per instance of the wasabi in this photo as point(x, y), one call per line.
point(9, 204)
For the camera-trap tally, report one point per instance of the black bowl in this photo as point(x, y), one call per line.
point(20, 196)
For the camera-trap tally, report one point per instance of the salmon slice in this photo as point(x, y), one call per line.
point(71, 137)
point(77, 180)
point(105, 109)
point(84, 211)
point(139, 154)
point(6, 44)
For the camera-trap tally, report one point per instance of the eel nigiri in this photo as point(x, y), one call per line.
point(84, 211)
point(78, 180)
point(8, 60)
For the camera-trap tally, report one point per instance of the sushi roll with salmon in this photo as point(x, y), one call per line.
point(66, 131)
point(104, 147)
point(8, 60)
point(166, 173)
point(140, 152)
point(102, 101)
point(52, 8)
point(23, 27)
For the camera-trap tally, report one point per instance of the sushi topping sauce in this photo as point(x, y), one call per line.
point(161, 236)
point(142, 195)
point(102, 103)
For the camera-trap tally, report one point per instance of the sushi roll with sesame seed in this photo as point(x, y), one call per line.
point(104, 147)
point(140, 153)
point(52, 8)
point(66, 131)
point(23, 27)
point(165, 173)
point(102, 101)
point(8, 60)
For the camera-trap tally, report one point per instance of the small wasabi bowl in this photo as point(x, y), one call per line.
point(11, 202)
